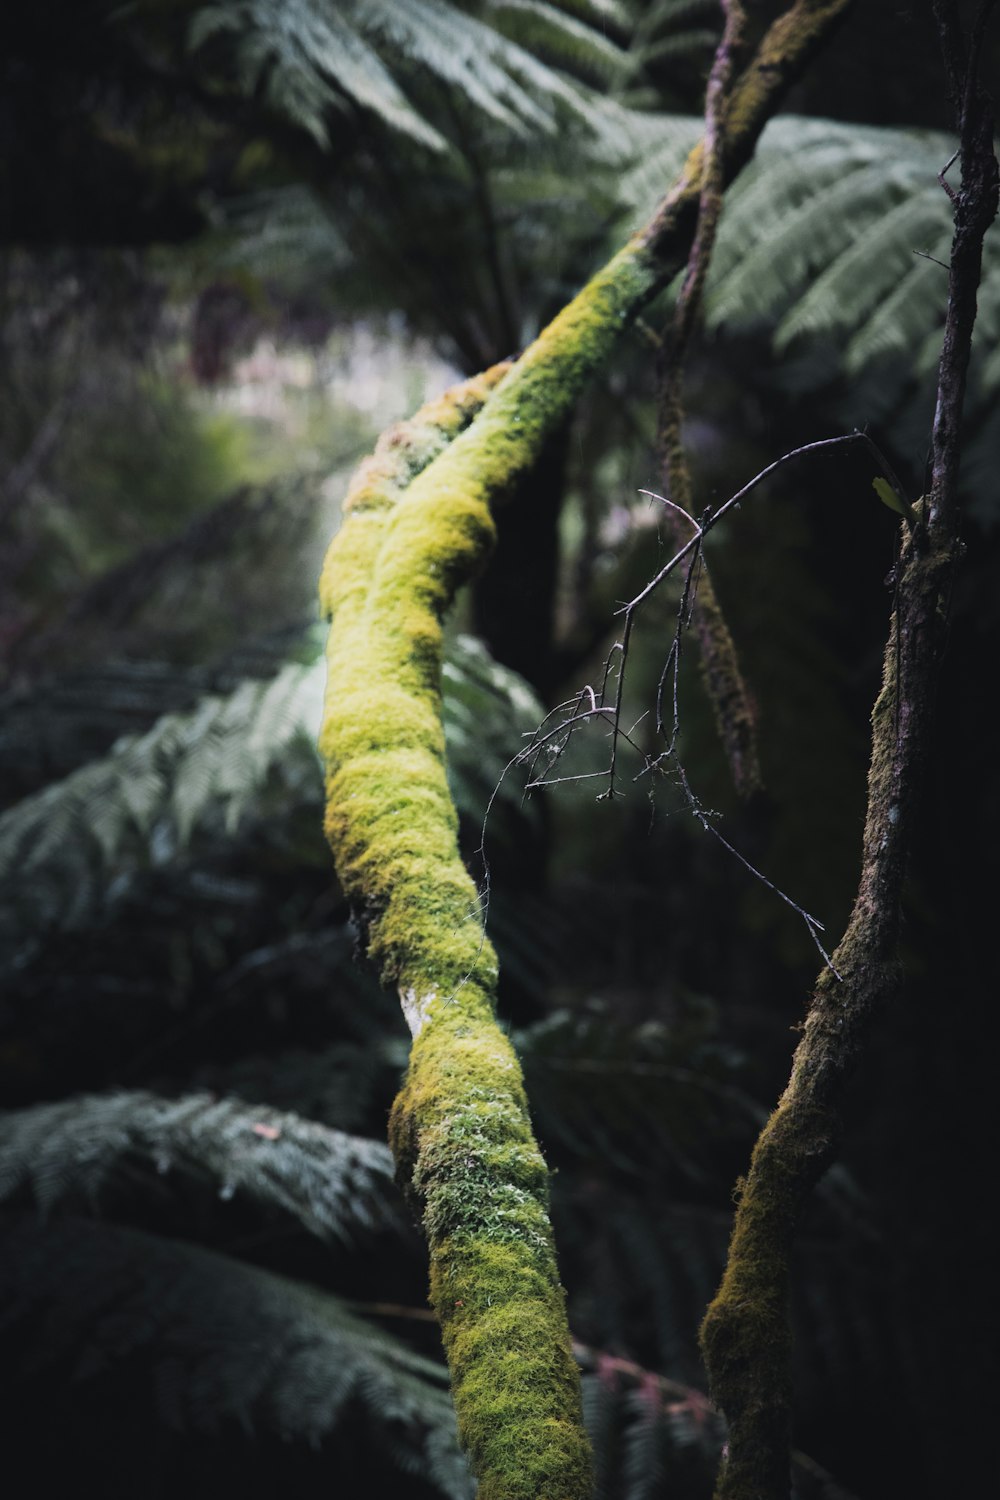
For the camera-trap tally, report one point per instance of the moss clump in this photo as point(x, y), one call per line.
point(417, 525)
point(460, 1128)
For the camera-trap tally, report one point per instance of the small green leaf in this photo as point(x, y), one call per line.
point(891, 497)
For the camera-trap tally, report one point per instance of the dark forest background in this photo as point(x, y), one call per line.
point(236, 241)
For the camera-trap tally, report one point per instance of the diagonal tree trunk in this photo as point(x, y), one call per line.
point(418, 525)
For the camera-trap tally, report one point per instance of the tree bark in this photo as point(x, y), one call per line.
point(746, 1336)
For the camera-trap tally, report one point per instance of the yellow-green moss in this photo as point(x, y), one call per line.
point(400, 454)
point(460, 1128)
point(417, 525)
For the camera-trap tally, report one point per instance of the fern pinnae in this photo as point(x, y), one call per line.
point(465, 54)
point(800, 159)
point(672, 12)
point(984, 371)
point(602, 1418)
point(559, 38)
point(856, 280)
point(777, 266)
point(598, 13)
point(224, 1343)
point(889, 330)
point(203, 751)
point(152, 795)
point(311, 58)
point(990, 372)
point(763, 196)
point(65, 1154)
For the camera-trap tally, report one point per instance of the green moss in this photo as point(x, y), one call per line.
point(417, 524)
point(400, 454)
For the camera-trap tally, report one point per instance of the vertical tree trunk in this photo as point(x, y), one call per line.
point(745, 1335)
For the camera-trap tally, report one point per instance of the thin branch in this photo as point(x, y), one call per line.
point(710, 521)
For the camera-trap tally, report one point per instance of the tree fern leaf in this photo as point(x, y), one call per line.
point(475, 60)
point(603, 1420)
point(151, 798)
point(65, 1155)
point(856, 280)
point(768, 191)
point(991, 372)
point(224, 1342)
point(181, 769)
point(199, 753)
point(598, 13)
point(643, 1469)
point(660, 144)
point(698, 39)
point(561, 39)
point(988, 306)
point(662, 13)
point(785, 258)
point(891, 328)
point(800, 159)
point(311, 57)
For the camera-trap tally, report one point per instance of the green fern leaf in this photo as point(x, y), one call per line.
point(225, 1343)
point(199, 777)
point(65, 1154)
point(315, 58)
point(857, 280)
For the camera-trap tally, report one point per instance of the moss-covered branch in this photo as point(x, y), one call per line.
point(746, 1335)
point(417, 525)
point(460, 1129)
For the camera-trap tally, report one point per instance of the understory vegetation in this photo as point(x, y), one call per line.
point(269, 231)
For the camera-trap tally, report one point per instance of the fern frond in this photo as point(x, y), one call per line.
point(65, 1154)
point(823, 241)
point(673, 28)
point(663, 13)
point(314, 58)
point(185, 768)
point(598, 13)
point(698, 39)
point(900, 319)
point(203, 773)
point(857, 280)
point(224, 1343)
point(562, 39)
point(487, 710)
point(817, 243)
point(649, 1433)
point(783, 261)
point(309, 59)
